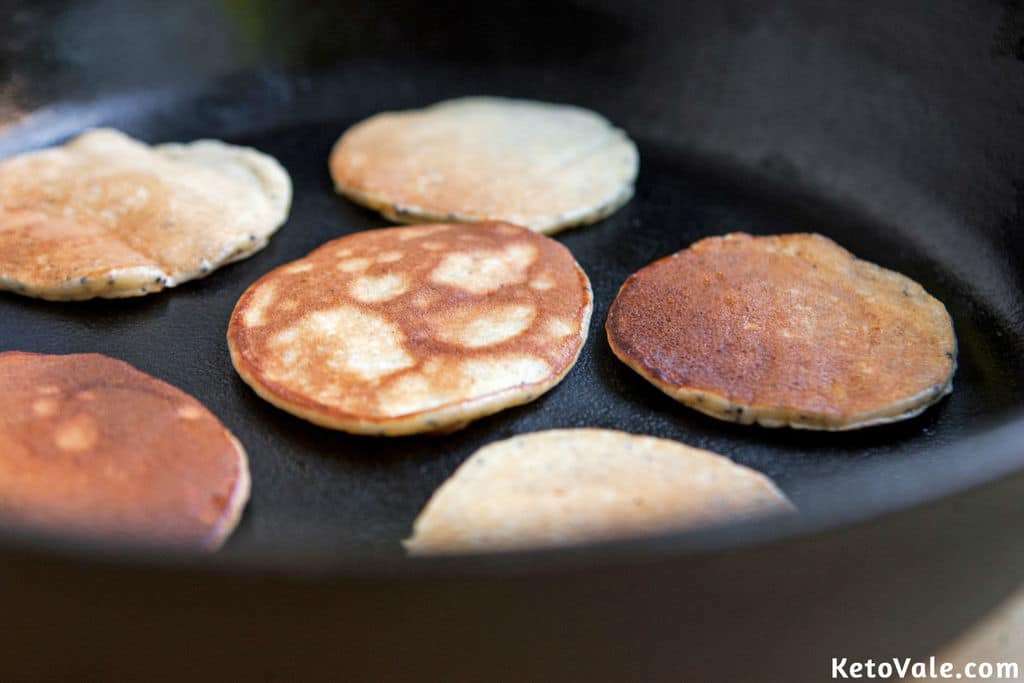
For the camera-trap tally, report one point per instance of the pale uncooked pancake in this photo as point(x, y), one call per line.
point(108, 216)
point(789, 330)
point(414, 329)
point(90, 446)
point(575, 485)
point(545, 166)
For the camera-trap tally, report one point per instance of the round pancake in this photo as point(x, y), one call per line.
point(574, 485)
point(414, 329)
point(107, 216)
point(545, 166)
point(91, 446)
point(789, 330)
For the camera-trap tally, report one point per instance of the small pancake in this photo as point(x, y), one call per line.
point(545, 166)
point(574, 485)
point(90, 446)
point(107, 216)
point(415, 329)
point(789, 330)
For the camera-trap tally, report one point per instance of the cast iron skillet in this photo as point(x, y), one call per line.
point(789, 119)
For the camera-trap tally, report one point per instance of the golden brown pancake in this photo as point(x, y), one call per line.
point(575, 485)
point(91, 446)
point(415, 329)
point(544, 166)
point(107, 216)
point(789, 330)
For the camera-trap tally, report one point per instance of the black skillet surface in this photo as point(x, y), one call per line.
point(353, 497)
point(897, 134)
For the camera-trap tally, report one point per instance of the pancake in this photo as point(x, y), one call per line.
point(545, 166)
point(574, 485)
point(789, 330)
point(415, 329)
point(107, 216)
point(90, 446)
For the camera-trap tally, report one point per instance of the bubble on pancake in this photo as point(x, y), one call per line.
point(542, 283)
point(287, 337)
point(296, 268)
point(440, 383)
point(485, 270)
point(255, 314)
point(79, 433)
point(413, 391)
point(373, 289)
point(344, 339)
point(390, 257)
point(492, 373)
point(354, 265)
point(189, 412)
point(486, 326)
point(418, 231)
point(45, 407)
point(557, 328)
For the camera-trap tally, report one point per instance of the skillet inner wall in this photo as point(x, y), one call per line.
point(736, 131)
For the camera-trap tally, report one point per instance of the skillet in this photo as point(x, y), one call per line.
point(896, 133)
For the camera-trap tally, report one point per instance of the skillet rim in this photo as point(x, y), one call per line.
point(819, 515)
point(984, 456)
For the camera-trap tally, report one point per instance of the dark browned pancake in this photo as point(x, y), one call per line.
point(414, 329)
point(784, 330)
point(91, 446)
